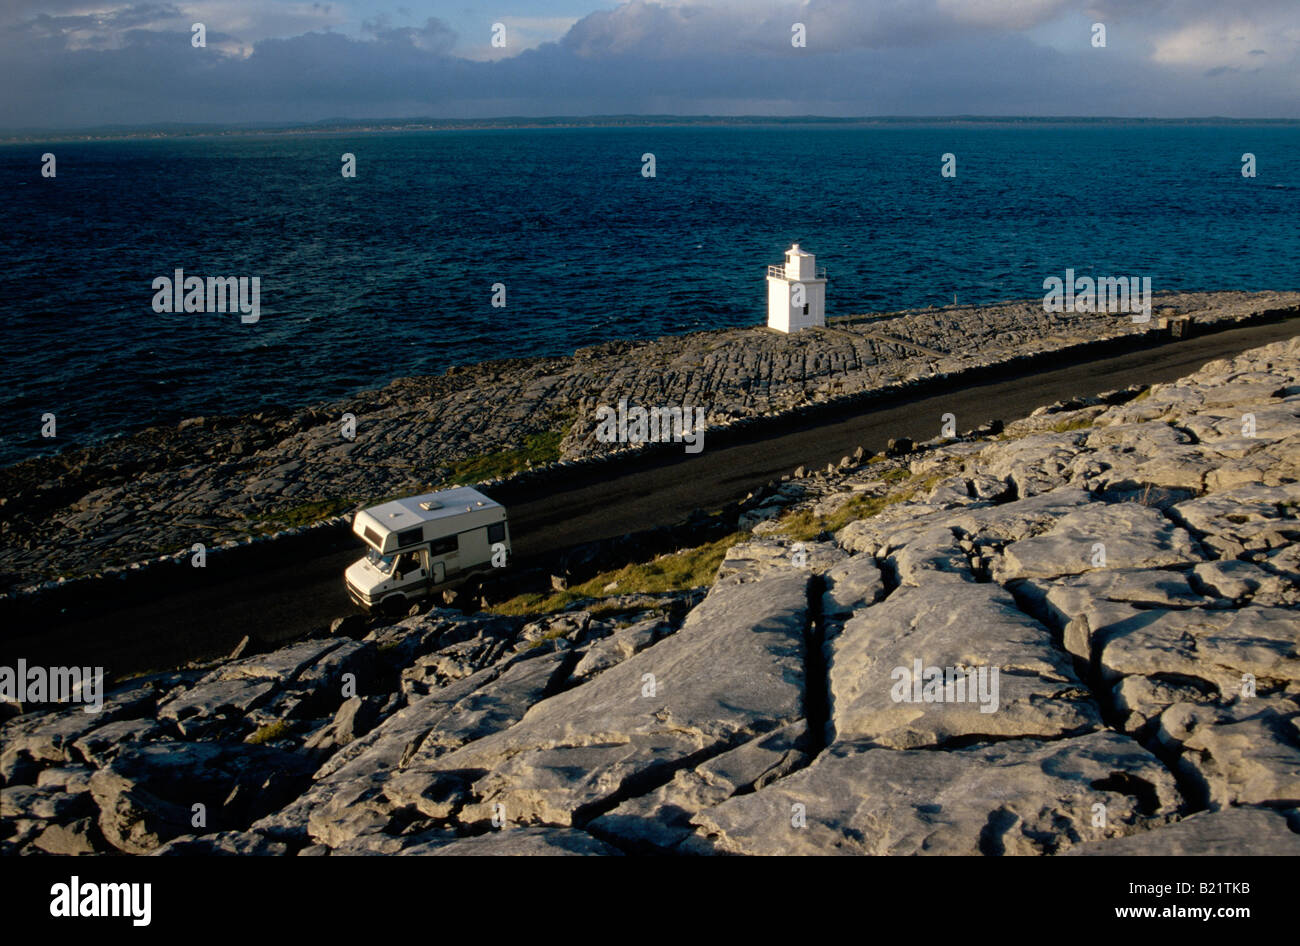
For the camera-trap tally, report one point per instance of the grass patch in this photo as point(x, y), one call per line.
point(897, 475)
point(537, 450)
point(1074, 423)
point(1141, 396)
point(270, 732)
point(805, 526)
point(690, 568)
point(548, 636)
point(303, 515)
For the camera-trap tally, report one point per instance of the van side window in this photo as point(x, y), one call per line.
point(443, 546)
point(410, 537)
point(497, 532)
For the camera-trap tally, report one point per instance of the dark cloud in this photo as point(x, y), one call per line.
point(434, 37)
point(924, 57)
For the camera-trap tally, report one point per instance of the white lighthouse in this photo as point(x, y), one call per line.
point(796, 292)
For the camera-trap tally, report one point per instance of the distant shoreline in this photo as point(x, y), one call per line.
point(327, 127)
point(543, 362)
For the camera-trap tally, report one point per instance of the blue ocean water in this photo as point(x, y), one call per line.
point(390, 274)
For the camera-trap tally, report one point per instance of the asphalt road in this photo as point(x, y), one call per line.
point(303, 594)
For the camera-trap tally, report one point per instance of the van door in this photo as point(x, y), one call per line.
point(441, 554)
point(409, 570)
point(431, 573)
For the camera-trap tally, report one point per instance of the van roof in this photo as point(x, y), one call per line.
point(399, 514)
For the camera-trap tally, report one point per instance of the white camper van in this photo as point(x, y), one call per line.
point(424, 544)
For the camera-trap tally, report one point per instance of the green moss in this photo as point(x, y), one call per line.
point(1142, 395)
point(306, 514)
point(270, 732)
point(896, 475)
point(548, 636)
point(1073, 423)
point(537, 450)
point(690, 568)
point(805, 526)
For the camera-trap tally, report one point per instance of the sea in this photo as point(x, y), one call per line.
point(394, 272)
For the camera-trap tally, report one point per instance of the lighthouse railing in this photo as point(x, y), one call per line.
point(779, 271)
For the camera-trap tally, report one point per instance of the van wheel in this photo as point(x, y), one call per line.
point(394, 606)
point(471, 591)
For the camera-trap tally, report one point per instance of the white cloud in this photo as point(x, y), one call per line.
point(1007, 14)
point(235, 24)
point(1233, 44)
point(522, 32)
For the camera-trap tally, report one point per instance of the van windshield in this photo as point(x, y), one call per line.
point(382, 562)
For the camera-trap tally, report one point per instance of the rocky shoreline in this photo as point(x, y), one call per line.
point(1118, 578)
point(223, 481)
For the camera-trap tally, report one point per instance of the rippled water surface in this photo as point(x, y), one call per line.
point(390, 274)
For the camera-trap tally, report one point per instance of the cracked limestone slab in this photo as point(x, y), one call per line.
point(660, 820)
point(356, 772)
point(1244, 754)
point(246, 684)
point(1140, 700)
point(1233, 520)
point(1022, 796)
point(494, 706)
point(217, 697)
point(763, 557)
point(1217, 646)
point(852, 584)
point(1238, 581)
point(872, 666)
point(280, 666)
point(952, 491)
point(1227, 832)
point(620, 645)
point(1274, 464)
point(1179, 467)
point(932, 557)
point(899, 525)
point(1145, 439)
point(1058, 601)
point(1228, 431)
point(1037, 463)
point(733, 671)
point(893, 527)
point(1133, 536)
point(535, 841)
point(1021, 518)
point(353, 802)
point(51, 736)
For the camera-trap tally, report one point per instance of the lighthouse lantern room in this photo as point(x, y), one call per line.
point(796, 292)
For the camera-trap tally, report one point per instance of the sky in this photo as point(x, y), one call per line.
point(83, 63)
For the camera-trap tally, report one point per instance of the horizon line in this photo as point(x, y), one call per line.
point(199, 129)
